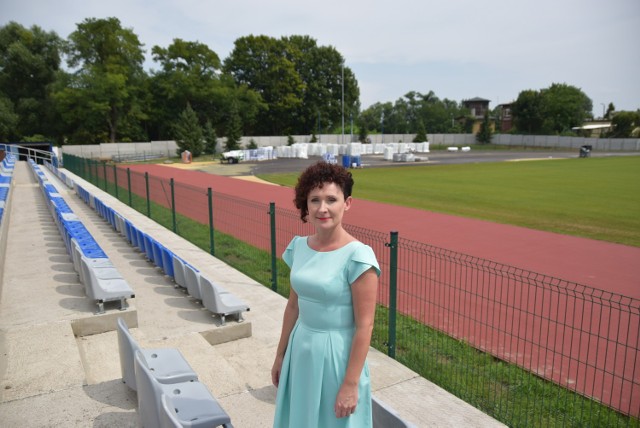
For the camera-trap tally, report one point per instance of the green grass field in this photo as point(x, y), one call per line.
point(597, 198)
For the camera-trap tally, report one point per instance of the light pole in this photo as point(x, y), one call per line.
point(342, 101)
point(382, 127)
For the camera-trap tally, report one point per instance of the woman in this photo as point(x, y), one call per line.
point(320, 366)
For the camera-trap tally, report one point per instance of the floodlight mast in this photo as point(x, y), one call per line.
point(342, 101)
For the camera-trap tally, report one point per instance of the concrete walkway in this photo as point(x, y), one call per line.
point(59, 363)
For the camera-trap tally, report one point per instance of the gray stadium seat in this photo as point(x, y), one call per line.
point(219, 301)
point(192, 401)
point(192, 278)
point(168, 364)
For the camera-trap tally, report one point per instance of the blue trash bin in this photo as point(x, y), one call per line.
point(346, 161)
point(355, 162)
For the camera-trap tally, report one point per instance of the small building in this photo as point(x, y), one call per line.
point(478, 107)
point(506, 116)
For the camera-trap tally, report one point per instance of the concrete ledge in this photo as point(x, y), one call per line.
point(227, 333)
point(104, 323)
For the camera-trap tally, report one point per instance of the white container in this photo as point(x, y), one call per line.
point(388, 153)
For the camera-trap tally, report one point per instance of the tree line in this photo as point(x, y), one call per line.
point(266, 86)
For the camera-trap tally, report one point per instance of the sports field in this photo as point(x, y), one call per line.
point(597, 198)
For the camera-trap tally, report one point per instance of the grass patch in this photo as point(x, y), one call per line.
point(596, 198)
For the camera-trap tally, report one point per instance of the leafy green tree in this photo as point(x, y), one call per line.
point(624, 123)
point(485, 133)
point(188, 75)
point(406, 114)
point(610, 109)
point(363, 134)
point(565, 107)
point(421, 135)
point(528, 112)
point(29, 61)
point(252, 144)
point(8, 119)
point(188, 133)
point(233, 130)
point(554, 110)
point(261, 63)
point(297, 79)
point(106, 88)
point(210, 138)
point(322, 71)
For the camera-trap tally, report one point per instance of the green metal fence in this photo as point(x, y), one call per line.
point(528, 349)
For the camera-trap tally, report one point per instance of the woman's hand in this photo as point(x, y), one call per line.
point(346, 400)
point(275, 371)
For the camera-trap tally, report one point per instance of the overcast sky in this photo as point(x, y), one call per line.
point(458, 49)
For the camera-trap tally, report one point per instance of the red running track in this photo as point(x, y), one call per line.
point(598, 264)
point(605, 266)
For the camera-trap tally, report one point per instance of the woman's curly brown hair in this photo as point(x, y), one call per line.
point(315, 176)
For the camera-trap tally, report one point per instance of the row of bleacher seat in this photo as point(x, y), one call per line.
point(6, 174)
point(169, 394)
point(102, 281)
point(213, 297)
point(168, 391)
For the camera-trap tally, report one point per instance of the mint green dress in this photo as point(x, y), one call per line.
point(320, 343)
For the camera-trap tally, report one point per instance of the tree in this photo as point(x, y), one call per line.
point(8, 119)
point(554, 110)
point(624, 123)
point(324, 75)
point(485, 133)
point(234, 131)
point(210, 138)
point(188, 133)
point(107, 86)
point(610, 109)
point(528, 114)
point(564, 107)
point(297, 79)
point(421, 135)
point(363, 134)
point(408, 112)
point(260, 63)
point(188, 75)
point(29, 61)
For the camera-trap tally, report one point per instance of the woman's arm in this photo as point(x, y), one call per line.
point(289, 319)
point(363, 292)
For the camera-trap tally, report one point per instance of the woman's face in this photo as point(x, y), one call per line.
point(326, 206)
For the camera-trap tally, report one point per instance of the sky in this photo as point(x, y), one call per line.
point(459, 49)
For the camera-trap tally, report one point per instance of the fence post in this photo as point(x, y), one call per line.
point(129, 184)
point(115, 179)
point(146, 186)
point(173, 206)
point(211, 243)
point(104, 171)
point(274, 271)
point(90, 169)
point(393, 291)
